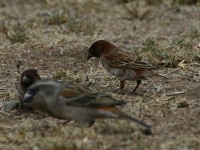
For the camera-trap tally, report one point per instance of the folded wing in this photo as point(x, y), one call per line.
point(123, 60)
point(78, 95)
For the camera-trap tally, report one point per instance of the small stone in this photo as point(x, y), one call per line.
point(183, 104)
point(8, 106)
point(11, 105)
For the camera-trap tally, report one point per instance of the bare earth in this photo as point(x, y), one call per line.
point(53, 36)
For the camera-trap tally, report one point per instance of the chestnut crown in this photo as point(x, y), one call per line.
point(28, 77)
point(99, 47)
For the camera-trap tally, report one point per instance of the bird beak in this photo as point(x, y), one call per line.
point(25, 79)
point(89, 56)
point(28, 96)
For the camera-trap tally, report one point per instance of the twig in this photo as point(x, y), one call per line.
point(7, 127)
point(7, 114)
point(172, 72)
point(175, 93)
point(170, 98)
point(195, 64)
point(18, 66)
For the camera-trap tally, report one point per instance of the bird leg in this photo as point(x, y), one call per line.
point(91, 123)
point(20, 104)
point(121, 84)
point(121, 87)
point(138, 83)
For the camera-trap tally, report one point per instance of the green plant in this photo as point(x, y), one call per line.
point(56, 18)
point(15, 33)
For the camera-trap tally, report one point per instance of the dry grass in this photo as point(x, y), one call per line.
point(53, 36)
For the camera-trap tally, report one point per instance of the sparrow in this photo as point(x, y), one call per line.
point(75, 102)
point(27, 78)
point(120, 63)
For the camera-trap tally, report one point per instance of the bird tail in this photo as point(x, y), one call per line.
point(146, 127)
point(121, 115)
point(127, 117)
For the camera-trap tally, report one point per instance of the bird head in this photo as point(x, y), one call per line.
point(44, 88)
point(28, 77)
point(98, 48)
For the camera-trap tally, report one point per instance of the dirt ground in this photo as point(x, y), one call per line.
point(53, 36)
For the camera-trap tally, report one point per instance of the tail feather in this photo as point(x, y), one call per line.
point(121, 115)
point(124, 116)
point(113, 112)
point(147, 128)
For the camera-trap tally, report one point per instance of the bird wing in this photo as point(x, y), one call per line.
point(78, 95)
point(122, 59)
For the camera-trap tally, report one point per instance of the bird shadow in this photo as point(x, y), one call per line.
point(108, 130)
